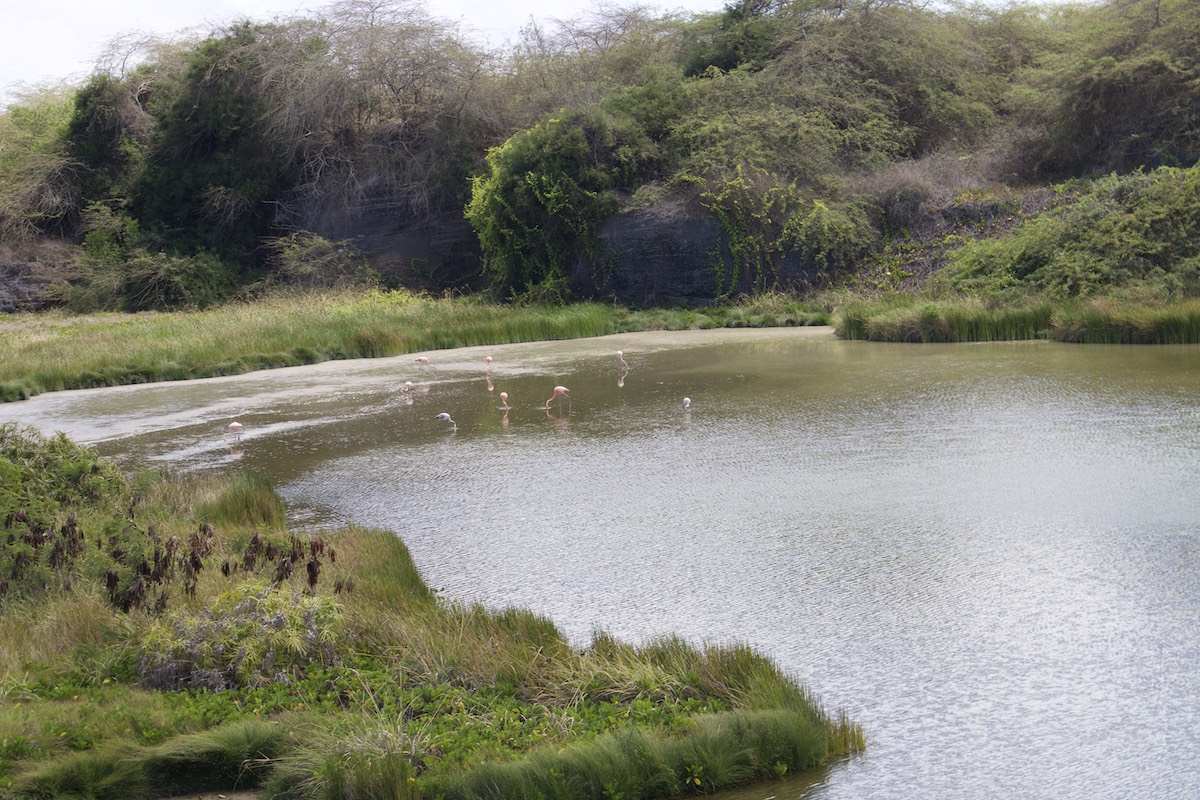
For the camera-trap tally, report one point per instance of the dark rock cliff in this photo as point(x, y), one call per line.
point(665, 255)
point(675, 254)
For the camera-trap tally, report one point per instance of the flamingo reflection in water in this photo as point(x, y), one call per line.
point(624, 365)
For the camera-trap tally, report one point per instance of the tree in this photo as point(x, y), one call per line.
point(38, 190)
point(211, 177)
point(538, 206)
point(108, 134)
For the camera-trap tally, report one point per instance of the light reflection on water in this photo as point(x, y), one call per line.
point(987, 554)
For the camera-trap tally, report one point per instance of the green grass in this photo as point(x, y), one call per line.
point(912, 318)
point(709, 753)
point(52, 352)
point(341, 676)
point(1107, 323)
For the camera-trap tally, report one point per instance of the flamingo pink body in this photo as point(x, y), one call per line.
point(558, 390)
point(504, 400)
point(234, 431)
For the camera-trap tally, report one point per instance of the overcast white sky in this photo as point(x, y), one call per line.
point(51, 41)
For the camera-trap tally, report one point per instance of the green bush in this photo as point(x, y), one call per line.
point(1113, 233)
point(539, 204)
point(250, 635)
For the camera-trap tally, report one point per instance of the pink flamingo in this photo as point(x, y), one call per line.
point(621, 360)
point(423, 363)
point(487, 364)
point(504, 401)
point(234, 432)
point(558, 390)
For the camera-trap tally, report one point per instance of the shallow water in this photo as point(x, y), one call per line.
point(987, 554)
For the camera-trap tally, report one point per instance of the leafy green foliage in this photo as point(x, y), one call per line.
point(1129, 96)
point(745, 35)
point(107, 136)
point(308, 261)
point(766, 222)
point(213, 148)
point(211, 176)
point(539, 206)
point(1115, 232)
point(44, 484)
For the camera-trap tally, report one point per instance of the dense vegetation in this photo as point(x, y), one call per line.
point(909, 172)
point(168, 635)
point(871, 142)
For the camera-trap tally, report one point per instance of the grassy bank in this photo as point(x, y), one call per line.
point(51, 352)
point(171, 634)
point(912, 318)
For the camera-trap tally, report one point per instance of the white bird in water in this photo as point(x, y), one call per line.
point(621, 360)
point(687, 403)
point(444, 417)
point(234, 432)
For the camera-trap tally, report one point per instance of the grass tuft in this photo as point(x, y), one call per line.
point(232, 756)
point(84, 776)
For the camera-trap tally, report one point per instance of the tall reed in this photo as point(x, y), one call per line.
point(1110, 323)
point(911, 318)
point(908, 318)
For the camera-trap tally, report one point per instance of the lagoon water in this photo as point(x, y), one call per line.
point(987, 554)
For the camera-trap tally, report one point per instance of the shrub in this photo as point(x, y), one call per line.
point(250, 635)
point(539, 204)
point(309, 261)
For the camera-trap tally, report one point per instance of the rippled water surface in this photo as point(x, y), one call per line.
point(988, 555)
